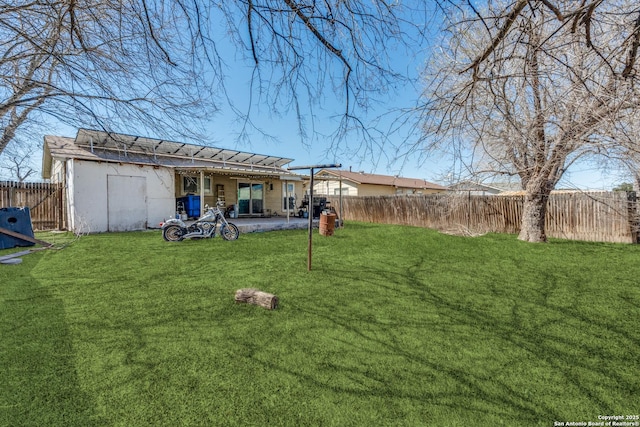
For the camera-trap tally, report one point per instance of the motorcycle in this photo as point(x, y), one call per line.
point(175, 230)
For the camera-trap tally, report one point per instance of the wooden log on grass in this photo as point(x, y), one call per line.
point(257, 297)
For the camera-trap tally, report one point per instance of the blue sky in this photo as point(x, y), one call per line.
point(224, 127)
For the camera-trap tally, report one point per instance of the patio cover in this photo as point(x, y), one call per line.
point(108, 146)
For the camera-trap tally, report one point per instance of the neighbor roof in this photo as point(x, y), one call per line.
point(374, 179)
point(113, 147)
point(474, 186)
point(494, 187)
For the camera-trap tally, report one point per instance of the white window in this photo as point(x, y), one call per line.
point(345, 191)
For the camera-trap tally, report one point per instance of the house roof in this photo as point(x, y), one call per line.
point(494, 187)
point(111, 147)
point(474, 186)
point(374, 179)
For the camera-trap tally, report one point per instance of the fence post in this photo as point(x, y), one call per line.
point(469, 210)
point(632, 216)
point(61, 216)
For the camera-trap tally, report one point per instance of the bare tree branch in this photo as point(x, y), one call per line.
point(532, 94)
point(162, 66)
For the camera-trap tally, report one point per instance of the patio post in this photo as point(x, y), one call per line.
point(286, 198)
point(201, 192)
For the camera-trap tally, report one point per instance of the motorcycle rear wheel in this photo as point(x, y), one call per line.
point(172, 233)
point(229, 231)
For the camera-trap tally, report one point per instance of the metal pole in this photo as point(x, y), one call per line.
point(310, 205)
point(310, 208)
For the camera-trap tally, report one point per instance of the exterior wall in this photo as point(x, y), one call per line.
point(474, 192)
point(57, 171)
point(430, 191)
point(273, 194)
point(274, 198)
point(88, 202)
point(71, 220)
point(230, 188)
point(375, 190)
point(332, 188)
point(417, 191)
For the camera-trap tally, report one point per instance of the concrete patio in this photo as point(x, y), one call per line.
point(253, 225)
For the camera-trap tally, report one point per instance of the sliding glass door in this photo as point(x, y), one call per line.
point(250, 198)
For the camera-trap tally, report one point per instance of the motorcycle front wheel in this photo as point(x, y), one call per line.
point(229, 231)
point(172, 233)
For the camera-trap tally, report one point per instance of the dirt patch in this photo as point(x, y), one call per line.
point(462, 231)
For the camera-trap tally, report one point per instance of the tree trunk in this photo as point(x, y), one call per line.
point(256, 297)
point(534, 211)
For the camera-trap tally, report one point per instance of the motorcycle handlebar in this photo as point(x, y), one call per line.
point(219, 204)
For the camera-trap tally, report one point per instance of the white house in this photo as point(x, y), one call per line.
point(117, 182)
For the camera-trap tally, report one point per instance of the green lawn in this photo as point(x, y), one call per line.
point(395, 326)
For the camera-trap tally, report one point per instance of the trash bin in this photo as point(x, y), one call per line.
point(191, 205)
point(17, 220)
point(327, 224)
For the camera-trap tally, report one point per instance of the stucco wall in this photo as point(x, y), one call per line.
point(71, 216)
point(88, 193)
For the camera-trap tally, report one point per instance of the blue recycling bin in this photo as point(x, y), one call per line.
point(191, 205)
point(17, 220)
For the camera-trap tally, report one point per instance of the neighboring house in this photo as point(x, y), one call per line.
point(334, 182)
point(118, 182)
point(477, 188)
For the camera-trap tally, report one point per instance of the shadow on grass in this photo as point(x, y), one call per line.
point(513, 358)
point(572, 362)
point(429, 341)
point(38, 376)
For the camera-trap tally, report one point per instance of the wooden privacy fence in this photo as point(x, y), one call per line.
point(592, 216)
point(45, 202)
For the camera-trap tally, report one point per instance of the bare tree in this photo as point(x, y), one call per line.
point(161, 66)
point(529, 87)
point(101, 63)
point(17, 161)
point(326, 49)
